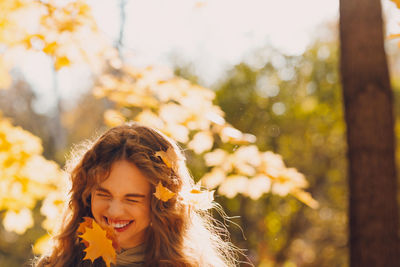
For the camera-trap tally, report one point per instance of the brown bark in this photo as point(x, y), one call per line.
point(368, 101)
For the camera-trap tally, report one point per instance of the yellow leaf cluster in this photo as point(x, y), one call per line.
point(25, 176)
point(152, 96)
point(12, 27)
point(186, 112)
point(64, 30)
point(19, 221)
point(253, 173)
point(172, 104)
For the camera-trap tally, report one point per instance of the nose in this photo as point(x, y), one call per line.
point(115, 209)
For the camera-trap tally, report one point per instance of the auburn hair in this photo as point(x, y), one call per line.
point(179, 236)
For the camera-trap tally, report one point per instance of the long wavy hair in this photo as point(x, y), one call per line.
point(179, 235)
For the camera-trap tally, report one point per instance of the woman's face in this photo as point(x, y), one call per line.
point(122, 201)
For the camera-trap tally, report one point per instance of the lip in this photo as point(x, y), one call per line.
point(123, 228)
point(120, 229)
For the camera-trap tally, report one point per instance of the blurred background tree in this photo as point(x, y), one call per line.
point(368, 101)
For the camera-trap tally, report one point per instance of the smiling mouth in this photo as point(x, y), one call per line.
point(120, 225)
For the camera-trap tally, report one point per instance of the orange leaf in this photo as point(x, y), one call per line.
point(163, 193)
point(99, 245)
point(113, 237)
point(169, 158)
point(87, 223)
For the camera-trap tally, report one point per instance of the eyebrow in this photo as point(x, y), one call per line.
point(127, 195)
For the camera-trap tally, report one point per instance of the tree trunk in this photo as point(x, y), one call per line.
point(373, 213)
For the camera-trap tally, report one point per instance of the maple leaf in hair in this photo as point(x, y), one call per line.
point(163, 193)
point(169, 157)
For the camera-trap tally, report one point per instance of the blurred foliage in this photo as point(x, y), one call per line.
point(152, 96)
point(27, 179)
point(18, 105)
point(186, 112)
point(64, 30)
point(32, 187)
point(293, 106)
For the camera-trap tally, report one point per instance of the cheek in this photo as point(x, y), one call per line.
point(147, 215)
point(141, 213)
point(97, 206)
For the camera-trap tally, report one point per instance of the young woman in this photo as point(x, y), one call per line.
point(114, 183)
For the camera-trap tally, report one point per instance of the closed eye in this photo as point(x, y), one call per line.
point(132, 200)
point(102, 195)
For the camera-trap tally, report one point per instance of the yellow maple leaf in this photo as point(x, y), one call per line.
point(113, 237)
point(163, 193)
point(169, 157)
point(98, 243)
point(87, 223)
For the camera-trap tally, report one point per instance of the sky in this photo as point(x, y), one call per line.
point(211, 35)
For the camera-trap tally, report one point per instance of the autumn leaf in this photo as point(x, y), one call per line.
point(99, 244)
point(113, 237)
point(169, 158)
point(163, 193)
point(87, 223)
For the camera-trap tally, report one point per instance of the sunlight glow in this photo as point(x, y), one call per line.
point(211, 35)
